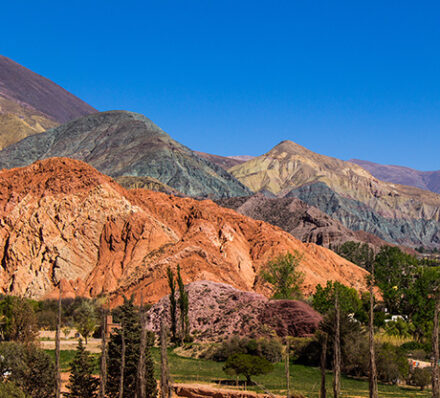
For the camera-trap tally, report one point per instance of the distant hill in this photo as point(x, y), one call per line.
point(120, 143)
point(30, 103)
point(396, 213)
point(429, 180)
point(225, 162)
point(304, 222)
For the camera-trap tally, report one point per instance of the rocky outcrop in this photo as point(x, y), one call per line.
point(305, 222)
point(153, 184)
point(205, 391)
point(119, 143)
point(31, 104)
point(62, 222)
point(369, 204)
point(218, 311)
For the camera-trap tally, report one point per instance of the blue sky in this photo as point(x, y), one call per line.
point(343, 78)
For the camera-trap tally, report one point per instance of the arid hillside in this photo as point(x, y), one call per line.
point(62, 222)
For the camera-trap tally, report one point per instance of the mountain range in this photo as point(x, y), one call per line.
point(428, 180)
point(396, 213)
point(30, 103)
point(120, 143)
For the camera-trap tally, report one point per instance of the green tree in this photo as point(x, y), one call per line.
point(323, 300)
point(358, 253)
point(247, 365)
point(85, 319)
point(82, 383)
point(282, 274)
point(184, 307)
point(130, 326)
point(173, 304)
point(18, 321)
point(29, 368)
point(420, 377)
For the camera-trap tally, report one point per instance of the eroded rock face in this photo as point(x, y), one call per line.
point(218, 311)
point(61, 221)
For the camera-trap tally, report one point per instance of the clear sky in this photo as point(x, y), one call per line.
point(343, 78)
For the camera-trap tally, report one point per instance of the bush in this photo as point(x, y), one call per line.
point(420, 377)
point(392, 364)
point(270, 349)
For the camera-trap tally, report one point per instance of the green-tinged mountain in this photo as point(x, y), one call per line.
point(31, 104)
point(120, 143)
point(347, 192)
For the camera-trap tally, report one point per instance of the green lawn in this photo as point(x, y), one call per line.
point(305, 380)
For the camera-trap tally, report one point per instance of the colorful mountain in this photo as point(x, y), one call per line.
point(65, 224)
point(396, 213)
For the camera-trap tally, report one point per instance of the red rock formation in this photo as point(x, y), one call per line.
point(61, 220)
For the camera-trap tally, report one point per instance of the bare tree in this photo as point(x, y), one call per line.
point(373, 371)
point(165, 388)
point(337, 349)
point(103, 368)
point(287, 367)
point(435, 349)
point(58, 348)
point(324, 338)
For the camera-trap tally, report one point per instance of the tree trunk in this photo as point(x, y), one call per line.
point(58, 349)
point(165, 389)
point(435, 350)
point(287, 367)
point(323, 364)
point(142, 389)
point(373, 372)
point(121, 380)
point(103, 368)
point(337, 349)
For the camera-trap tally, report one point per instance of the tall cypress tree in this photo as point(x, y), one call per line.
point(131, 329)
point(173, 304)
point(183, 306)
point(82, 383)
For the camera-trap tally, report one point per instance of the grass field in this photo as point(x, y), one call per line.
point(305, 380)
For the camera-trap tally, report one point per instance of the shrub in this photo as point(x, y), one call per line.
point(270, 349)
point(391, 364)
point(420, 377)
point(10, 390)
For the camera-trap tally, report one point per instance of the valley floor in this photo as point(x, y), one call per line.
point(304, 379)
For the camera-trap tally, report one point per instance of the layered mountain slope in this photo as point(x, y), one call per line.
point(305, 222)
point(344, 190)
point(62, 222)
point(30, 103)
point(120, 143)
point(429, 180)
point(225, 162)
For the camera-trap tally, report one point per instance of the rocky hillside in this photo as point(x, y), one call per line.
point(218, 311)
point(429, 180)
point(120, 143)
point(30, 103)
point(305, 222)
point(64, 222)
point(345, 191)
